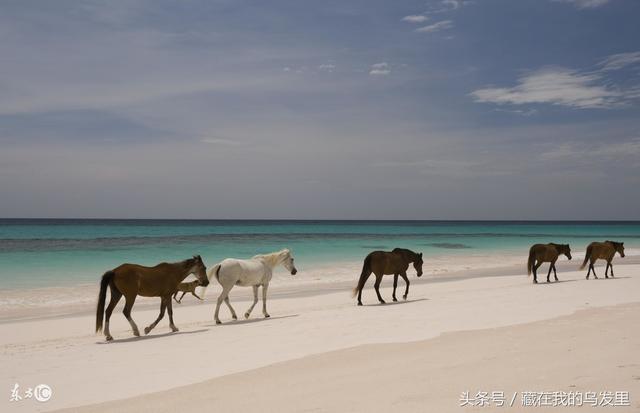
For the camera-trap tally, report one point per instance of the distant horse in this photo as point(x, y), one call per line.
point(189, 287)
point(602, 250)
point(254, 272)
point(395, 262)
point(132, 280)
point(540, 253)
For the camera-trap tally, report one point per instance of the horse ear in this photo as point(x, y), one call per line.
point(420, 255)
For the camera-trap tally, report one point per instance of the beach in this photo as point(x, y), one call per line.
point(489, 331)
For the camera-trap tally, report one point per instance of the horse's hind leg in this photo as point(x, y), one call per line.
point(593, 269)
point(228, 303)
point(361, 283)
point(265, 287)
point(606, 270)
point(131, 299)
point(221, 297)
point(377, 288)
point(549, 273)
point(196, 295)
point(151, 326)
point(115, 298)
point(255, 301)
point(395, 285)
point(406, 280)
point(535, 272)
point(170, 311)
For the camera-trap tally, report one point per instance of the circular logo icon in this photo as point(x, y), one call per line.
point(42, 392)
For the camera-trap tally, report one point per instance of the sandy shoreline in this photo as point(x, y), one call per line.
point(82, 370)
point(558, 355)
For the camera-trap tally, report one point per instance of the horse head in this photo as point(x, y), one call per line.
point(199, 270)
point(566, 250)
point(618, 246)
point(417, 264)
point(287, 262)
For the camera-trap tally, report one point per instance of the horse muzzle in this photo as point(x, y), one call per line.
point(419, 274)
point(294, 271)
point(204, 283)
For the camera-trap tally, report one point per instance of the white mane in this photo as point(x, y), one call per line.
point(274, 258)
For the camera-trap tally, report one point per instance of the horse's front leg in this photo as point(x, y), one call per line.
point(406, 280)
point(549, 273)
point(606, 270)
point(376, 286)
point(395, 285)
point(265, 287)
point(170, 311)
point(255, 301)
point(555, 274)
point(151, 326)
point(611, 266)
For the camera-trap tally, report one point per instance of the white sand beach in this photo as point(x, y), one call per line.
point(320, 352)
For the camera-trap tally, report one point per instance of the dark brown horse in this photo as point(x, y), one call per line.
point(189, 287)
point(395, 262)
point(540, 253)
point(602, 250)
point(132, 280)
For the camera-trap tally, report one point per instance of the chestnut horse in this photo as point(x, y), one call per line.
point(395, 262)
point(602, 250)
point(132, 280)
point(540, 253)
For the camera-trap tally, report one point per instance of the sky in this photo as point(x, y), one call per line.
point(368, 109)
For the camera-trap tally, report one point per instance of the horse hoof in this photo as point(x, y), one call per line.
point(109, 338)
point(548, 281)
point(235, 317)
point(246, 315)
point(218, 322)
point(404, 297)
point(267, 316)
point(395, 300)
point(360, 304)
point(383, 302)
point(136, 333)
point(174, 329)
point(146, 330)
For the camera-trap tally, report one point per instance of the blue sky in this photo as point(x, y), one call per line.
point(486, 109)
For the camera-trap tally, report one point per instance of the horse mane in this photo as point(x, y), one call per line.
point(405, 252)
point(273, 257)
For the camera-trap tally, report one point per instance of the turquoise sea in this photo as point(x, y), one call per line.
point(60, 252)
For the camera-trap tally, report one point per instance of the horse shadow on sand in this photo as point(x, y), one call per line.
point(251, 320)
point(389, 303)
point(152, 336)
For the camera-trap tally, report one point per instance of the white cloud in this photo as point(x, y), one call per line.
point(605, 152)
point(557, 86)
point(380, 69)
point(585, 4)
point(441, 25)
point(327, 67)
point(620, 60)
point(415, 18)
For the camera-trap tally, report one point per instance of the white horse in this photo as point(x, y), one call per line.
point(254, 272)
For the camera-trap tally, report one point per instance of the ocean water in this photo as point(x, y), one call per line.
point(39, 253)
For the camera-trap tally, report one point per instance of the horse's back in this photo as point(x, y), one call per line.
point(241, 272)
point(387, 262)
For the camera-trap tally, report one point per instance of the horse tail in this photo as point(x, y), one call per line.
point(531, 261)
point(107, 278)
point(215, 271)
point(366, 269)
point(587, 255)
